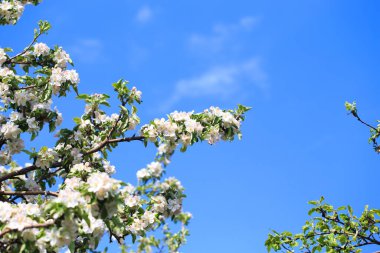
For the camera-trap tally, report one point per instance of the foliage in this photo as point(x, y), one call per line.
point(330, 230)
point(334, 230)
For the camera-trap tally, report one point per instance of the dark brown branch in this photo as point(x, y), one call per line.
point(127, 139)
point(363, 237)
point(22, 193)
point(42, 225)
point(58, 164)
point(27, 87)
point(106, 142)
point(24, 171)
point(21, 63)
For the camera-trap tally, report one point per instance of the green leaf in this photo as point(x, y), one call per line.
point(242, 109)
point(72, 247)
point(51, 126)
point(75, 88)
point(351, 107)
point(349, 208)
point(341, 208)
point(124, 109)
point(83, 96)
point(23, 247)
point(34, 135)
point(77, 120)
point(133, 238)
point(183, 148)
point(313, 202)
point(105, 103)
point(44, 26)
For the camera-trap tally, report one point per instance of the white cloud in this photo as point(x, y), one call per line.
point(221, 81)
point(222, 35)
point(86, 50)
point(232, 75)
point(144, 15)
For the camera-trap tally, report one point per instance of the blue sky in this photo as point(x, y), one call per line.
point(294, 62)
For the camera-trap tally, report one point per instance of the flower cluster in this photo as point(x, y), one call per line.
point(187, 128)
point(10, 11)
point(26, 100)
point(46, 157)
point(3, 55)
point(58, 77)
point(153, 169)
point(102, 185)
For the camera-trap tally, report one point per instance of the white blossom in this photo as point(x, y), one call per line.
point(160, 203)
point(41, 49)
point(19, 221)
point(102, 185)
point(71, 76)
point(10, 130)
point(16, 116)
point(3, 56)
point(148, 218)
point(132, 200)
point(32, 124)
point(59, 119)
point(213, 135)
point(61, 58)
point(22, 97)
point(181, 116)
point(193, 126)
point(109, 169)
point(4, 90)
point(11, 11)
point(136, 93)
point(5, 72)
point(81, 167)
point(155, 169)
point(143, 174)
point(5, 211)
point(174, 205)
point(15, 146)
point(46, 157)
point(70, 198)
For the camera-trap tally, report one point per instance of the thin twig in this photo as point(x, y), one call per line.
point(25, 50)
point(365, 123)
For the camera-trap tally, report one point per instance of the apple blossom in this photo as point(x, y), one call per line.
point(41, 49)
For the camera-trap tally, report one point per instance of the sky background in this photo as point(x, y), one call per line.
point(294, 62)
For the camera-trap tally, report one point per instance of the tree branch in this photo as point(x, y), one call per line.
point(22, 193)
point(42, 225)
point(58, 164)
point(24, 171)
point(106, 142)
point(27, 87)
point(365, 123)
point(25, 50)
